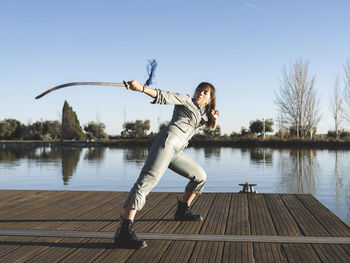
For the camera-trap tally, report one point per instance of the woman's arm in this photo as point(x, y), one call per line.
point(134, 85)
point(161, 96)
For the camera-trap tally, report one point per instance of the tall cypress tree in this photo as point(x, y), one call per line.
point(71, 128)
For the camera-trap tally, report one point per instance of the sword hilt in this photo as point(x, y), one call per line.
point(127, 86)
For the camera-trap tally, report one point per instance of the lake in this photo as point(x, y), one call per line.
point(323, 173)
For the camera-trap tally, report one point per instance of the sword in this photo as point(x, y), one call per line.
point(151, 67)
point(124, 84)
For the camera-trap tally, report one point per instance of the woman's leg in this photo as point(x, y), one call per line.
point(185, 166)
point(188, 197)
point(129, 212)
point(157, 162)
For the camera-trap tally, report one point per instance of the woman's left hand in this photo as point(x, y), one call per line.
point(214, 114)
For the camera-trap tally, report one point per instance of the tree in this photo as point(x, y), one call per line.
point(11, 129)
point(71, 128)
point(138, 128)
point(347, 91)
point(297, 99)
point(281, 126)
point(209, 133)
point(245, 132)
point(337, 105)
point(43, 130)
point(52, 129)
point(95, 130)
point(34, 131)
point(163, 125)
point(261, 126)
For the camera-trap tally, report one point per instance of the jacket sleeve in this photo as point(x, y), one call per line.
point(167, 97)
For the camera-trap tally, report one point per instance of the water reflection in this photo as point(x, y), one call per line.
point(45, 155)
point(322, 173)
point(211, 152)
point(42, 155)
point(13, 154)
point(70, 159)
point(95, 155)
point(261, 155)
point(298, 169)
point(337, 176)
point(137, 155)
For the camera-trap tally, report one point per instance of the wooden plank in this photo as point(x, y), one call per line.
point(112, 255)
point(331, 253)
point(88, 251)
point(40, 206)
point(42, 248)
point(90, 219)
point(178, 252)
point(238, 217)
point(8, 199)
point(264, 252)
point(301, 253)
point(259, 215)
point(73, 213)
point(306, 221)
point(329, 221)
point(207, 252)
point(49, 213)
point(55, 251)
point(18, 248)
point(153, 253)
point(28, 203)
point(283, 221)
point(26, 249)
point(346, 248)
point(156, 214)
point(215, 222)
point(66, 252)
point(238, 252)
point(10, 243)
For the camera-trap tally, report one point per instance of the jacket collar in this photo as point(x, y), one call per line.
point(195, 103)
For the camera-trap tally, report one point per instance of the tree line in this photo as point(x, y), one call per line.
point(296, 99)
point(68, 129)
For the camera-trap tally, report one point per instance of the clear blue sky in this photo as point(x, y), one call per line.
point(239, 46)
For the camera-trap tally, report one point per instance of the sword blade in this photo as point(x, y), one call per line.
point(124, 84)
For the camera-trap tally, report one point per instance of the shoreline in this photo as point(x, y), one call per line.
point(144, 142)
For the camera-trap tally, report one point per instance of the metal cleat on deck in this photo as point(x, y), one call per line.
point(248, 188)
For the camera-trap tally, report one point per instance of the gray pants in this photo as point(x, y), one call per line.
point(165, 152)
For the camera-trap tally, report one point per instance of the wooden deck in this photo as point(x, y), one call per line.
point(234, 216)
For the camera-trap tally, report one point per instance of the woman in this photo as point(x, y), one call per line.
point(166, 152)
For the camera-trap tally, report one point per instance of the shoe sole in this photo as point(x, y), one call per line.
point(125, 247)
point(180, 219)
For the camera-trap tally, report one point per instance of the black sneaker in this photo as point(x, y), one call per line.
point(183, 213)
point(125, 236)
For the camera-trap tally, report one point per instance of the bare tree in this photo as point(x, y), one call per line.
point(297, 100)
point(337, 105)
point(281, 125)
point(347, 90)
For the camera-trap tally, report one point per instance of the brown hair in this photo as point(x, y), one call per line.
point(212, 104)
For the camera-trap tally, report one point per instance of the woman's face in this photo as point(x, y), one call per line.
point(202, 96)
